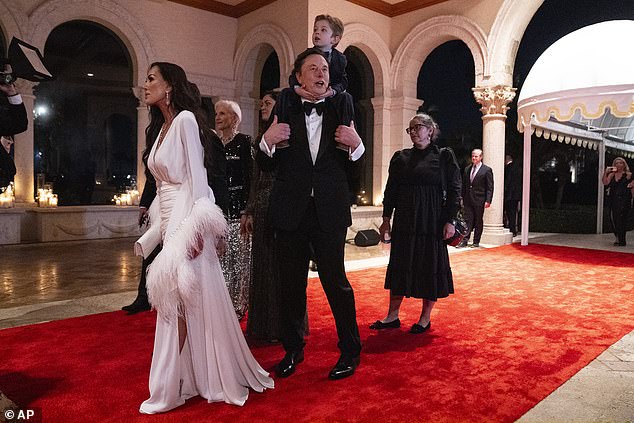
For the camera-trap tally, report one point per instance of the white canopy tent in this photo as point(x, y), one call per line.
point(583, 80)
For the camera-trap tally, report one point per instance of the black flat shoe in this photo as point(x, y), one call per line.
point(345, 367)
point(287, 366)
point(378, 325)
point(416, 328)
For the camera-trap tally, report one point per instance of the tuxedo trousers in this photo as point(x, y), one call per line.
point(293, 252)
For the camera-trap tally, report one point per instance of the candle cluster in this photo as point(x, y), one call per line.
point(7, 197)
point(130, 198)
point(46, 198)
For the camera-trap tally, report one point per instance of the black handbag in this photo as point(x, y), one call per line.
point(367, 238)
point(459, 222)
point(461, 230)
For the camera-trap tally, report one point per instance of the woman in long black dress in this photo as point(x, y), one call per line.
point(617, 178)
point(264, 317)
point(236, 262)
point(419, 261)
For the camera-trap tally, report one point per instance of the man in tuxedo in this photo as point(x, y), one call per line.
point(477, 192)
point(512, 193)
point(313, 150)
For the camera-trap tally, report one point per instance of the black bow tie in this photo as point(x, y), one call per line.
point(319, 107)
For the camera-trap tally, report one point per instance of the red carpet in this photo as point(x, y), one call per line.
point(522, 322)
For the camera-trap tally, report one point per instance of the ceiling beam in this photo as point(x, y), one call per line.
point(248, 6)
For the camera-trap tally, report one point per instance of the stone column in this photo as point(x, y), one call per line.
point(143, 119)
point(494, 101)
point(24, 179)
point(391, 117)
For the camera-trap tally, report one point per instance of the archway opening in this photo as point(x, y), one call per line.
point(361, 88)
point(563, 177)
point(270, 78)
point(444, 84)
point(85, 120)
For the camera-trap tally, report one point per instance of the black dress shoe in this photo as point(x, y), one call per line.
point(345, 366)
point(136, 307)
point(416, 328)
point(378, 325)
point(286, 367)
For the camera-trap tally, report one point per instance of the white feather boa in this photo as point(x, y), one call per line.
point(173, 282)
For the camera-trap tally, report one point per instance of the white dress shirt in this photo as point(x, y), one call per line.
point(15, 99)
point(313, 131)
point(474, 170)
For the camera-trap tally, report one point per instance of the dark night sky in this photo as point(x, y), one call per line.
point(446, 76)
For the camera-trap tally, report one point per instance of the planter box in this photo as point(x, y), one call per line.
point(10, 223)
point(84, 222)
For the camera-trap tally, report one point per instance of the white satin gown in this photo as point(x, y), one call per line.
point(215, 362)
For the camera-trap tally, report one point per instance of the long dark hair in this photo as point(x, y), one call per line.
point(184, 96)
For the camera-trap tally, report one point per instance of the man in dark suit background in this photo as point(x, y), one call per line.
point(512, 193)
point(313, 151)
point(477, 194)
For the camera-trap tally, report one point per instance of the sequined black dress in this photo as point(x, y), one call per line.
point(236, 263)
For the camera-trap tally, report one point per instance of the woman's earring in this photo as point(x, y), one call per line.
point(167, 97)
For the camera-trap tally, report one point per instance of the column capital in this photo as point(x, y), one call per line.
point(494, 99)
point(139, 93)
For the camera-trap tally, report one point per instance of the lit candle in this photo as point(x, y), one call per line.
point(53, 200)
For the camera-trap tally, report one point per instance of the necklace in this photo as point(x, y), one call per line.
point(226, 140)
point(164, 129)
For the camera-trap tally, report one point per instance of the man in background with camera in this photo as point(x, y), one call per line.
point(13, 118)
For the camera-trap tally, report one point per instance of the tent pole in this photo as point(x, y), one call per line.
point(526, 182)
point(600, 190)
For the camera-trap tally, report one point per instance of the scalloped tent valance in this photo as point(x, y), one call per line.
point(586, 75)
point(586, 70)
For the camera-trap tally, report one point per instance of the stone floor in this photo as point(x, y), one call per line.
point(45, 282)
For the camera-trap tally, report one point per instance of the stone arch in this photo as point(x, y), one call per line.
point(108, 14)
point(258, 44)
point(375, 49)
point(504, 39)
point(427, 36)
point(13, 22)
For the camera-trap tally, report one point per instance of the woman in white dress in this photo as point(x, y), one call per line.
point(199, 348)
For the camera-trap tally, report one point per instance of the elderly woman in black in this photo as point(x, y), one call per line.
point(423, 219)
point(236, 262)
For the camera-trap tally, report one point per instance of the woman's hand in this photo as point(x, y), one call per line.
point(195, 251)
point(246, 226)
point(386, 231)
point(449, 230)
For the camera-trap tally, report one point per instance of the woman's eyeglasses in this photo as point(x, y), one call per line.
point(414, 128)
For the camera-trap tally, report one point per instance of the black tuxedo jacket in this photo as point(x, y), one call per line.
point(297, 177)
point(337, 69)
point(479, 191)
point(13, 119)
